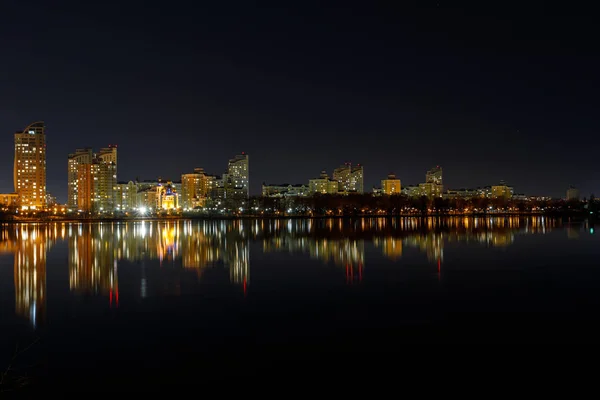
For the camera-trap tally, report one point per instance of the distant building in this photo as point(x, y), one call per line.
point(155, 195)
point(92, 180)
point(126, 197)
point(50, 200)
point(350, 178)
point(572, 193)
point(284, 190)
point(81, 156)
point(167, 197)
point(9, 199)
point(434, 176)
point(433, 186)
point(30, 166)
point(502, 191)
point(323, 185)
point(461, 193)
point(192, 193)
point(391, 185)
point(411, 191)
point(236, 180)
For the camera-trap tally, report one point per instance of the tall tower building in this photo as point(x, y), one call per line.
point(81, 156)
point(93, 179)
point(433, 183)
point(350, 178)
point(30, 166)
point(104, 175)
point(108, 154)
point(434, 175)
point(236, 179)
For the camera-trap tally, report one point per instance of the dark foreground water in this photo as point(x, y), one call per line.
point(145, 305)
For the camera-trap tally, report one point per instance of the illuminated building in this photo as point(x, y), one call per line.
point(502, 191)
point(50, 200)
point(411, 191)
point(236, 181)
point(323, 185)
point(391, 185)
point(126, 196)
point(9, 199)
point(284, 190)
point(105, 179)
point(572, 193)
point(97, 186)
point(195, 188)
point(147, 198)
point(350, 178)
point(433, 186)
point(92, 180)
point(81, 156)
point(167, 197)
point(30, 166)
point(434, 175)
point(209, 186)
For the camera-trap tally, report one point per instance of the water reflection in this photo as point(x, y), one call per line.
point(97, 251)
point(29, 244)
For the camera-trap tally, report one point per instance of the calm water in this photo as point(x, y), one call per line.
point(154, 300)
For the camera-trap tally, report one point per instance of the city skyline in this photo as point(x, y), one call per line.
point(396, 90)
point(95, 175)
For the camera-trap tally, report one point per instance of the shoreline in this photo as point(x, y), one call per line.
point(577, 216)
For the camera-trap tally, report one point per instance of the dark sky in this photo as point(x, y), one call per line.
point(487, 93)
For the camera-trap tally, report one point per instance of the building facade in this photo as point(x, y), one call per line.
point(196, 189)
point(236, 180)
point(323, 185)
point(30, 166)
point(391, 185)
point(502, 191)
point(433, 186)
point(9, 199)
point(572, 193)
point(350, 178)
point(81, 156)
point(126, 196)
point(92, 180)
point(284, 190)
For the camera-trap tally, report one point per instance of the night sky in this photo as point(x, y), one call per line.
point(488, 94)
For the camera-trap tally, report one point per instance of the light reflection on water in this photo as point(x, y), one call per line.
point(96, 251)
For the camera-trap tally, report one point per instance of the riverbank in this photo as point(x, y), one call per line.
point(70, 219)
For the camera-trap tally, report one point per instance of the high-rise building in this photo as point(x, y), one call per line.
point(105, 185)
point(126, 196)
point(108, 154)
point(434, 175)
point(572, 193)
point(236, 179)
point(30, 166)
point(81, 156)
point(433, 186)
point(350, 178)
point(191, 189)
point(93, 180)
point(391, 185)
